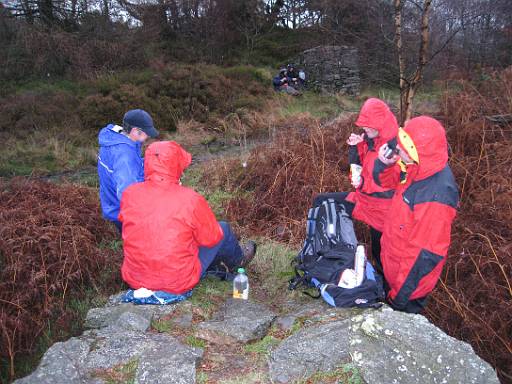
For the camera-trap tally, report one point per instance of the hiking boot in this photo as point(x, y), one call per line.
point(249, 250)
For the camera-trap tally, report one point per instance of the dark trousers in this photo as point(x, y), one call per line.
point(412, 306)
point(226, 254)
point(375, 238)
point(340, 198)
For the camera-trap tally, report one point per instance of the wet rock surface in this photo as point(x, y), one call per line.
point(319, 348)
point(395, 347)
point(386, 346)
point(119, 337)
point(237, 321)
point(381, 346)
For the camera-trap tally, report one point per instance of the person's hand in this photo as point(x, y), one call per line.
point(384, 159)
point(355, 139)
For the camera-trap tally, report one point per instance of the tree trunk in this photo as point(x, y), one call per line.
point(46, 12)
point(422, 60)
point(399, 4)
point(409, 85)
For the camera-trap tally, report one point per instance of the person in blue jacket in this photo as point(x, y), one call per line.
point(280, 80)
point(119, 159)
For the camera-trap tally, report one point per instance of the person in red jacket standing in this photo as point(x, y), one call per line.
point(370, 202)
point(417, 230)
point(171, 237)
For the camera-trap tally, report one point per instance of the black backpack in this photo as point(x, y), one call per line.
point(329, 249)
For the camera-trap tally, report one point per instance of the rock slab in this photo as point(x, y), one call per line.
point(396, 347)
point(118, 338)
point(237, 321)
point(316, 348)
point(110, 314)
point(388, 347)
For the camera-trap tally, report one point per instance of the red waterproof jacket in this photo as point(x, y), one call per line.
point(372, 201)
point(417, 232)
point(164, 224)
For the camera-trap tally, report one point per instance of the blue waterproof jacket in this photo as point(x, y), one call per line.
point(276, 82)
point(119, 165)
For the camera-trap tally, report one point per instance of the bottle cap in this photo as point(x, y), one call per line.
point(241, 270)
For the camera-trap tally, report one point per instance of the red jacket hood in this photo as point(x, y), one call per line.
point(165, 161)
point(429, 138)
point(376, 114)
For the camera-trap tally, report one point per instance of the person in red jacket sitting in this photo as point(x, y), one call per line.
point(370, 202)
point(171, 237)
point(417, 229)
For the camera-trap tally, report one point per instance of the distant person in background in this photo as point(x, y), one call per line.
point(280, 79)
point(281, 83)
point(302, 78)
point(171, 237)
point(119, 159)
point(293, 75)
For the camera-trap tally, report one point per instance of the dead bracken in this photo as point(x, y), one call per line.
point(473, 300)
point(50, 252)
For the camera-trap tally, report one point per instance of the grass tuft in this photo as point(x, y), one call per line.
point(263, 346)
point(195, 342)
point(120, 374)
point(345, 374)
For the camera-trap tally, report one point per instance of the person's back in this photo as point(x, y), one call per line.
point(119, 159)
point(165, 226)
point(119, 165)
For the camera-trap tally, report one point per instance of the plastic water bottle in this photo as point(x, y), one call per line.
point(355, 173)
point(241, 285)
point(360, 264)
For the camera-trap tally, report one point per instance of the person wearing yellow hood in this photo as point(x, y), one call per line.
point(417, 230)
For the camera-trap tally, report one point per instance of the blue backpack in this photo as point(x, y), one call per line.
point(329, 249)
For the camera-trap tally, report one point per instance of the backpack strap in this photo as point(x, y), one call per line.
point(297, 280)
point(332, 219)
point(307, 248)
point(311, 223)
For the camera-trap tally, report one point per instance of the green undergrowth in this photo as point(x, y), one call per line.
point(120, 374)
point(195, 342)
point(317, 104)
point(209, 294)
point(46, 152)
point(162, 325)
point(345, 374)
point(262, 347)
point(426, 99)
point(273, 269)
point(257, 376)
point(52, 125)
point(48, 126)
point(217, 198)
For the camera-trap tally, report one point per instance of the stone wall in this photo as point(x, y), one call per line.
point(331, 69)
